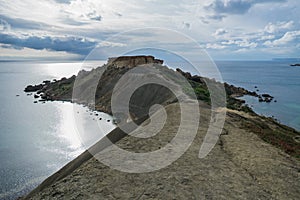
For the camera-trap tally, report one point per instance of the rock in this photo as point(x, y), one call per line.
point(266, 96)
point(44, 96)
point(36, 96)
point(268, 100)
point(197, 79)
point(35, 102)
point(185, 74)
point(297, 139)
point(33, 88)
point(17, 95)
point(46, 82)
point(241, 100)
point(254, 94)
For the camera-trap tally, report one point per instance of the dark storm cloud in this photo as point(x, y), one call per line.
point(69, 44)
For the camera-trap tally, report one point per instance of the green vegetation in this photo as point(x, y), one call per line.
point(200, 90)
point(281, 137)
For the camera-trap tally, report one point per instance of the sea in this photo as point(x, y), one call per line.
point(37, 139)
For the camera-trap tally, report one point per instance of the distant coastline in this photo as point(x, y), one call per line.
point(287, 59)
point(295, 65)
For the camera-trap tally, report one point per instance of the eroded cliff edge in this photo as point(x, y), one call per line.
point(244, 164)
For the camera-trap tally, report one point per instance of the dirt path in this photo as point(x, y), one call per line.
point(241, 166)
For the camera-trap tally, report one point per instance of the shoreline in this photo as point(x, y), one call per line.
point(61, 90)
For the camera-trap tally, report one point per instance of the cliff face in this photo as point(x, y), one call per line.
point(132, 61)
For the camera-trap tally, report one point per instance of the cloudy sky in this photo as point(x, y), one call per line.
point(226, 29)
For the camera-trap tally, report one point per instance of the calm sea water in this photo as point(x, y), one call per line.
point(276, 78)
point(38, 139)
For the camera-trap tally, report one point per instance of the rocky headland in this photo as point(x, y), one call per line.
point(295, 65)
point(255, 158)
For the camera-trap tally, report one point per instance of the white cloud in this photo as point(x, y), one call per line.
point(246, 43)
point(228, 42)
point(220, 32)
point(279, 26)
point(240, 43)
point(266, 37)
point(110, 44)
point(215, 46)
point(285, 39)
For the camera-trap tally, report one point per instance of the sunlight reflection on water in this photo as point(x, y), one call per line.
point(69, 69)
point(80, 127)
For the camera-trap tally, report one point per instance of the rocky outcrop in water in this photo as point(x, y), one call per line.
point(33, 88)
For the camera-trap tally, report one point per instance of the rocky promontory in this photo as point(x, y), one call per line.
point(255, 158)
point(62, 89)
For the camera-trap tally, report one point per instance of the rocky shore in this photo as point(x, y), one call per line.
point(62, 89)
point(256, 157)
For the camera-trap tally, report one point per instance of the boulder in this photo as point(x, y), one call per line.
point(266, 96)
point(33, 88)
point(46, 82)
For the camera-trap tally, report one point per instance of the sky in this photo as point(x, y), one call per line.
point(225, 29)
